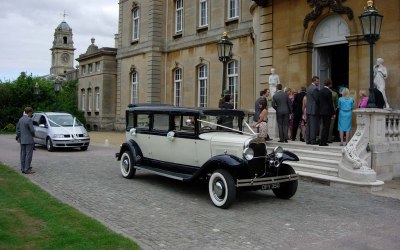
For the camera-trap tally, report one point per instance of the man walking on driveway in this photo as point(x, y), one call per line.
point(25, 133)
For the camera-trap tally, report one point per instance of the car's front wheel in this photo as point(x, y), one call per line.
point(49, 145)
point(127, 164)
point(286, 189)
point(221, 188)
point(84, 148)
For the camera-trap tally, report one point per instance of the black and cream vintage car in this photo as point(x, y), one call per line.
point(212, 144)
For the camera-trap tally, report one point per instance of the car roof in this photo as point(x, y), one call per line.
point(165, 108)
point(52, 113)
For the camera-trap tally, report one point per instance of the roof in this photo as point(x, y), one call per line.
point(63, 26)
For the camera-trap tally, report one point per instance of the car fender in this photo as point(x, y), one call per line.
point(226, 161)
point(289, 156)
point(132, 146)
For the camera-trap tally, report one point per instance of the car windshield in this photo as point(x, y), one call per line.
point(63, 121)
point(212, 123)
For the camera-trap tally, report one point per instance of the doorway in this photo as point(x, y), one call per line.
point(331, 51)
point(332, 62)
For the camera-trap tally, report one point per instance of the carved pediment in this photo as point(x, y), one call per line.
point(334, 6)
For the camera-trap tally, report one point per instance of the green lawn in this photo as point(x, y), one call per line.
point(31, 219)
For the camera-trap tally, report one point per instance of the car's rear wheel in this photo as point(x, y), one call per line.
point(286, 189)
point(127, 164)
point(84, 148)
point(49, 145)
point(221, 188)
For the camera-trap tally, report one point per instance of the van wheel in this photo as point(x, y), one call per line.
point(221, 188)
point(84, 148)
point(49, 145)
point(286, 189)
point(127, 165)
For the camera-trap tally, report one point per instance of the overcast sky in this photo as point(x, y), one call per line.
point(27, 31)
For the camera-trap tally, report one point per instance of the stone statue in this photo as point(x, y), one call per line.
point(380, 74)
point(273, 81)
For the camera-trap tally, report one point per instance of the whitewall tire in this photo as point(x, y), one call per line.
point(221, 187)
point(127, 165)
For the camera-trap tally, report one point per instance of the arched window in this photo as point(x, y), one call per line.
point(134, 89)
point(202, 86)
point(135, 24)
point(233, 81)
point(65, 40)
point(97, 100)
point(178, 87)
point(83, 99)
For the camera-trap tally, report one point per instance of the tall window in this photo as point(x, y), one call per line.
point(97, 66)
point(202, 91)
point(203, 15)
point(97, 100)
point(178, 16)
point(177, 87)
point(134, 91)
point(233, 83)
point(83, 68)
point(90, 100)
point(135, 23)
point(90, 68)
point(233, 9)
point(83, 99)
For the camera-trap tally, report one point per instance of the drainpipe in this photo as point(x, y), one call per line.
point(166, 55)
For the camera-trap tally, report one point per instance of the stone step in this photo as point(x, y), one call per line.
point(319, 162)
point(333, 148)
point(310, 168)
point(316, 154)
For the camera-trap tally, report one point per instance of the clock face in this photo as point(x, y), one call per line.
point(65, 58)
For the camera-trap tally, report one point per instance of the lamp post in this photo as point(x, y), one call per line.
point(36, 89)
point(57, 84)
point(224, 47)
point(371, 23)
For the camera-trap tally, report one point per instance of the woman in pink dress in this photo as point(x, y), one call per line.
point(363, 99)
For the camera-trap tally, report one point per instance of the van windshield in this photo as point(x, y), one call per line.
point(63, 121)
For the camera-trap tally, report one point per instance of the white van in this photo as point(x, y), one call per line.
point(59, 129)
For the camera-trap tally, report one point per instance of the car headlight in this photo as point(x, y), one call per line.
point(278, 151)
point(248, 154)
point(85, 134)
point(58, 136)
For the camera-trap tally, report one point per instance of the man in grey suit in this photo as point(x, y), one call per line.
point(281, 103)
point(25, 133)
point(312, 108)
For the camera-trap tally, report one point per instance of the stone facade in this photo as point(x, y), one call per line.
point(97, 86)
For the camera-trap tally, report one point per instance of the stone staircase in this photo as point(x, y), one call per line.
point(319, 163)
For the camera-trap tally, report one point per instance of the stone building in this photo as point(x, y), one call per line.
point(97, 86)
point(167, 50)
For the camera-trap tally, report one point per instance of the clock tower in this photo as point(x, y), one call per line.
point(62, 52)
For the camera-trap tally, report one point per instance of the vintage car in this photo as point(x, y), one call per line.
point(216, 145)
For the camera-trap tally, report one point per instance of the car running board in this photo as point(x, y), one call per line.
point(166, 173)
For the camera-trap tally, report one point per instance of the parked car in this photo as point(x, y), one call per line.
point(212, 144)
point(59, 130)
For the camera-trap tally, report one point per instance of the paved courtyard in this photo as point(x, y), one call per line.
point(160, 213)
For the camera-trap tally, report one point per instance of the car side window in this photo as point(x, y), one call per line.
point(142, 121)
point(184, 124)
point(161, 122)
point(42, 120)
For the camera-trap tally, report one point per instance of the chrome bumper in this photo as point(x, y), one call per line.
point(266, 180)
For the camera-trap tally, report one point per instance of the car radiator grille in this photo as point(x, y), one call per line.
point(257, 164)
point(69, 136)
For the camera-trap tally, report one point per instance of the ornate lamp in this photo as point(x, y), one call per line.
point(224, 47)
point(57, 84)
point(36, 89)
point(371, 22)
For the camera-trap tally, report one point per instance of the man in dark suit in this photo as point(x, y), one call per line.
point(280, 102)
point(297, 108)
point(326, 110)
point(25, 133)
point(312, 108)
point(257, 110)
